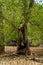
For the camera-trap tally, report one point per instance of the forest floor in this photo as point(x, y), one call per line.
point(9, 58)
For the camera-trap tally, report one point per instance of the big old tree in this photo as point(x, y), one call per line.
point(23, 43)
point(23, 29)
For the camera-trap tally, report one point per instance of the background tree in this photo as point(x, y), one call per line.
point(1, 32)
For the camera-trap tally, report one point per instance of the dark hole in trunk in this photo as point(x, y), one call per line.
point(22, 46)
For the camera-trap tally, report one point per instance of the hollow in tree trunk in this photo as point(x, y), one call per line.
point(23, 44)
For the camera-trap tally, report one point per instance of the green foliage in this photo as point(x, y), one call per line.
point(12, 11)
point(36, 24)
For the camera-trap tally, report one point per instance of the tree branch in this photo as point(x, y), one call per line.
point(35, 24)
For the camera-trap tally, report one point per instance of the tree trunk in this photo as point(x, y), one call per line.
point(25, 47)
point(23, 44)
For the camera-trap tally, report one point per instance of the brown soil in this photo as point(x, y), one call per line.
point(9, 58)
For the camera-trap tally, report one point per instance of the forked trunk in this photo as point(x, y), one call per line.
point(23, 44)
